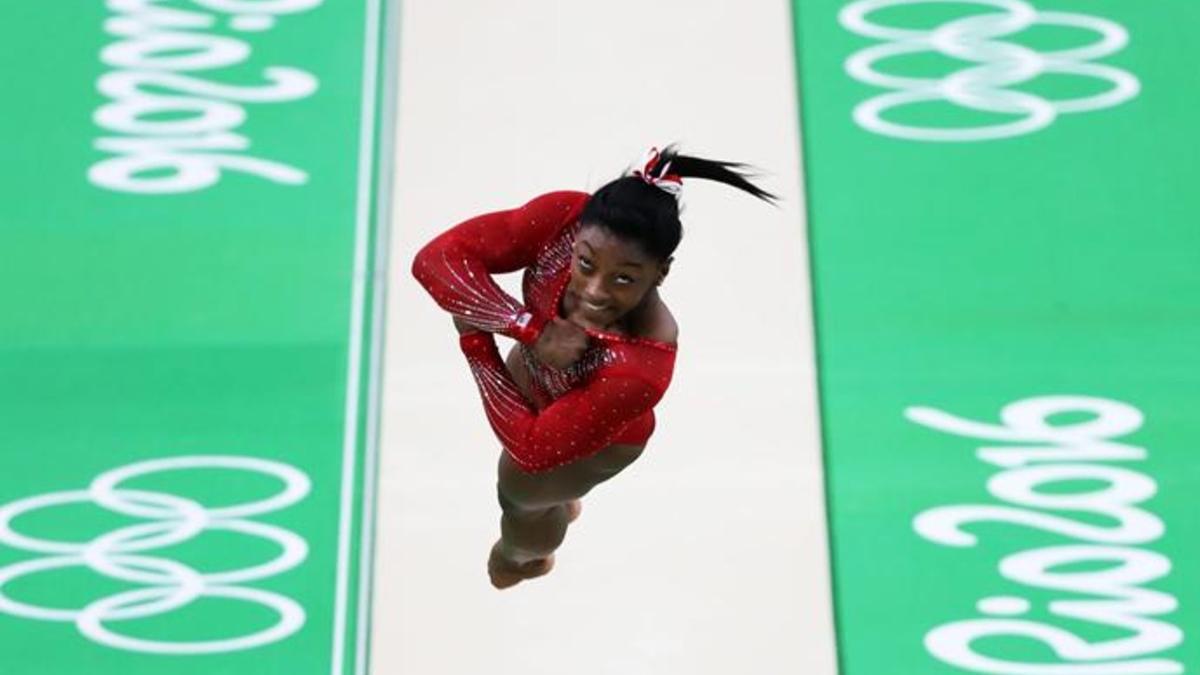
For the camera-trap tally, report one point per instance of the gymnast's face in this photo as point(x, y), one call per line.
point(610, 277)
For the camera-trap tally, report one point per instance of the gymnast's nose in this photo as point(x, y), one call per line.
point(595, 292)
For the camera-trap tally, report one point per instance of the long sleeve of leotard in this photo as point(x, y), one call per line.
point(456, 267)
point(577, 424)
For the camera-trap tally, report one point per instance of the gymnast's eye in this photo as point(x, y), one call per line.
point(625, 279)
point(584, 263)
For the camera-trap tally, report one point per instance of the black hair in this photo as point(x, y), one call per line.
point(632, 208)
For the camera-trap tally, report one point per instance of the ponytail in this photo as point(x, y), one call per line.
point(734, 174)
point(643, 205)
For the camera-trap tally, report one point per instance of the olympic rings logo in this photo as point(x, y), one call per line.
point(983, 87)
point(123, 554)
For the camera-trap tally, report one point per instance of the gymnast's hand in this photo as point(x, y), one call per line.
point(560, 344)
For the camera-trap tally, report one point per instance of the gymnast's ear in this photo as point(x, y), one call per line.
point(664, 268)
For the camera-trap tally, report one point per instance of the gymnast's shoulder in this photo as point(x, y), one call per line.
point(657, 323)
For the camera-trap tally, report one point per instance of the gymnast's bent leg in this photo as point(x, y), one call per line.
point(536, 509)
point(529, 532)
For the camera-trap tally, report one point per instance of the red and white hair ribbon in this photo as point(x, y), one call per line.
point(662, 178)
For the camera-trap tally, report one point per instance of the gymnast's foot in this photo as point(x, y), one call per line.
point(504, 572)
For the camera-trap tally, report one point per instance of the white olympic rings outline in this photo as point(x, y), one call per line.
point(119, 554)
point(982, 87)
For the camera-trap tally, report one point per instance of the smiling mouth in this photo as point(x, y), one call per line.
point(594, 308)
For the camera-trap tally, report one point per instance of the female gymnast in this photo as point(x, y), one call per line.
point(573, 403)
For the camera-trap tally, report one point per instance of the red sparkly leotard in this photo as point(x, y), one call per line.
point(605, 397)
